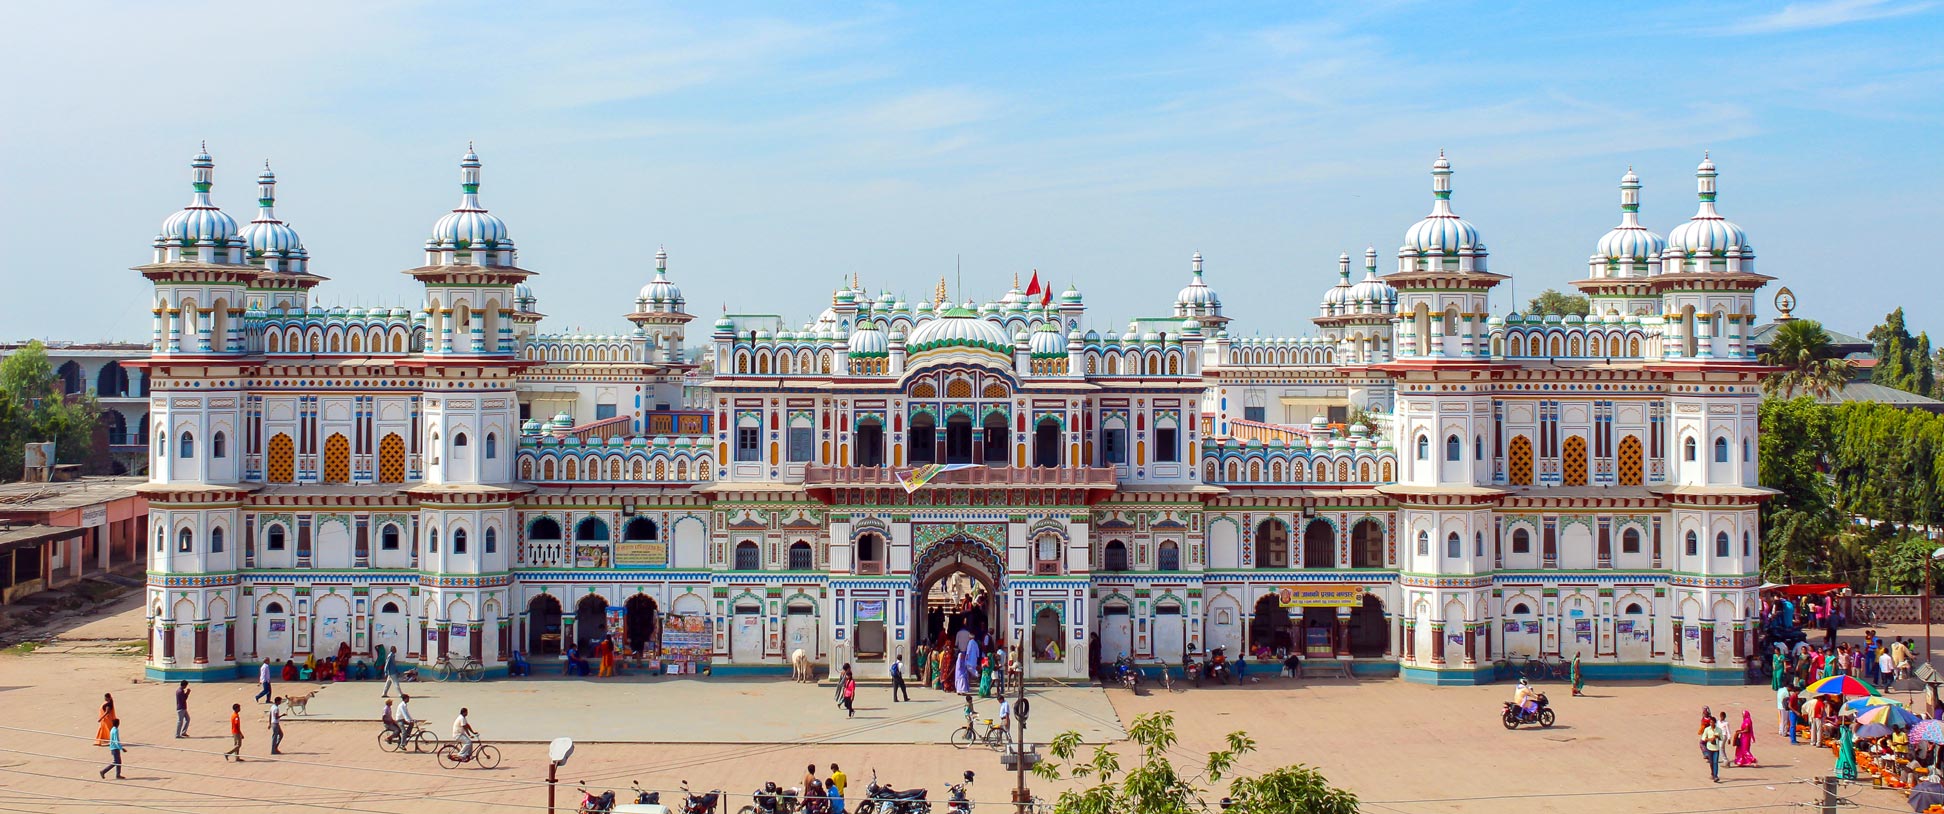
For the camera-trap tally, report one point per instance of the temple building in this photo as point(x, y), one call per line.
point(1413, 486)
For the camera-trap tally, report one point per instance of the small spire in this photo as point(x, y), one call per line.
point(1015, 281)
point(661, 260)
point(1370, 259)
point(1197, 263)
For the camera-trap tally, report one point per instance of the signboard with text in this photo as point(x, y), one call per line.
point(1320, 596)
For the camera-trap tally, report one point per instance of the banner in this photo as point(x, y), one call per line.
point(1320, 596)
point(869, 610)
point(640, 555)
point(1583, 630)
point(917, 478)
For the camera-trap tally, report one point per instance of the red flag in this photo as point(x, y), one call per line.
point(1046, 294)
point(1032, 288)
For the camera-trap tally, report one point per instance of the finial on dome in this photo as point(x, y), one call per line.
point(941, 296)
point(1370, 259)
point(1343, 265)
point(661, 259)
point(1441, 177)
point(1196, 261)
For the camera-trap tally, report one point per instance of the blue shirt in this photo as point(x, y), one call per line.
point(114, 739)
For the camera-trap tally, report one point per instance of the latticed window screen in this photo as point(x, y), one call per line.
point(280, 463)
point(1630, 461)
point(1519, 461)
point(337, 460)
point(1574, 458)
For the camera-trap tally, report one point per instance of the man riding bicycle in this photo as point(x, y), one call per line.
point(463, 732)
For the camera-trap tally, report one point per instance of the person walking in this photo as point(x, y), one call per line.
point(276, 725)
point(1846, 754)
point(1745, 741)
point(236, 734)
point(114, 749)
point(182, 710)
point(263, 680)
point(897, 679)
point(1579, 677)
point(835, 789)
point(849, 688)
point(1711, 745)
point(388, 672)
point(1782, 711)
point(105, 719)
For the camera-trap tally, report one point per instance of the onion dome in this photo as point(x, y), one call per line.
point(1371, 291)
point(1197, 296)
point(201, 221)
point(1442, 231)
point(1337, 298)
point(1071, 296)
point(725, 324)
point(266, 238)
point(1630, 241)
point(959, 328)
point(469, 225)
point(1191, 327)
point(867, 340)
point(1047, 341)
point(523, 298)
point(1707, 233)
point(660, 294)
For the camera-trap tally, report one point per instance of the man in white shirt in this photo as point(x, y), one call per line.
point(403, 714)
point(263, 678)
point(462, 732)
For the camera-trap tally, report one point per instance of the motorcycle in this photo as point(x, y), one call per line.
point(1192, 670)
point(958, 802)
point(645, 797)
point(591, 804)
point(699, 803)
point(771, 800)
point(1541, 714)
point(1218, 667)
point(882, 799)
point(1125, 673)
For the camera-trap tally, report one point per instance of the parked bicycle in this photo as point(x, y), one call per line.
point(1546, 666)
point(472, 670)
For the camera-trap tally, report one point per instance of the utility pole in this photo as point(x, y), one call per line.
point(1829, 800)
point(1021, 796)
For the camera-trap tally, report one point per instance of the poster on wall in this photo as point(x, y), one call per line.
point(1511, 625)
point(1623, 628)
point(1532, 627)
point(1693, 633)
point(277, 629)
point(1455, 638)
point(1582, 630)
point(688, 641)
point(458, 631)
point(869, 610)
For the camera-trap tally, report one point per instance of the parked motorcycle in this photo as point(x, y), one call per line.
point(882, 799)
point(699, 803)
point(1125, 674)
point(645, 797)
point(957, 802)
point(1192, 670)
point(771, 800)
point(592, 804)
point(1218, 667)
point(1541, 714)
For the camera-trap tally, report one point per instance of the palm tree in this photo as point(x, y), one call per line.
point(1801, 348)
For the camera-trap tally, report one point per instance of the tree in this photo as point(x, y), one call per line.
point(1903, 361)
point(33, 409)
point(1551, 301)
point(1801, 518)
point(1155, 786)
point(1803, 351)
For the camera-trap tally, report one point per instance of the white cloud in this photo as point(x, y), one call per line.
point(1828, 13)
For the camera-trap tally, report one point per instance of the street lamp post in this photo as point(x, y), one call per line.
point(1935, 555)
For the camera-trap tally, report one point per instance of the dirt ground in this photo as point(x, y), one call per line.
point(1401, 747)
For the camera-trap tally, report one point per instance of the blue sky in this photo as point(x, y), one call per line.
point(774, 149)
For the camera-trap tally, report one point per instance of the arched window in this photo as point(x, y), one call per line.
point(1687, 450)
point(640, 529)
point(273, 538)
point(591, 530)
point(1630, 541)
point(1747, 455)
point(1478, 448)
point(188, 446)
point(1478, 544)
point(492, 446)
point(388, 538)
point(800, 556)
point(747, 556)
point(1747, 548)
point(459, 439)
point(1116, 556)
point(161, 539)
point(1169, 557)
point(431, 541)
point(492, 541)
point(459, 541)
point(545, 528)
point(1454, 448)
point(1693, 544)
point(388, 607)
point(1424, 448)
point(218, 446)
point(273, 608)
point(1721, 544)
point(216, 540)
point(185, 541)
point(1521, 609)
point(1721, 450)
point(1454, 546)
point(1521, 542)
point(1424, 544)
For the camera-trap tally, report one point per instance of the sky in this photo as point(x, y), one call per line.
point(776, 149)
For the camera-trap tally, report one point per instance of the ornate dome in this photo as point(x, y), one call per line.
point(1197, 295)
point(868, 341)
point(1047, 341)
point(1335, 299)
point(1442, 231)
point(1370, 290)
point(660, 294)
point(1071, 296)
point(1631, 241)
point(469, 224)
point(959, 328)
point(266, 236)
point(199, 221)
point(1707, 233)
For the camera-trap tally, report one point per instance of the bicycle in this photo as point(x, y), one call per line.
point(410, 736)
point(471, 671)
point(1542, 667)
point(485, 755)
point(969, 734)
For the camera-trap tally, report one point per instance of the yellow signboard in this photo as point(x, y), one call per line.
point(640, 555)
point(1320, 596)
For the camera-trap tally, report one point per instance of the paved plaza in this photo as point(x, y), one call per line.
point(1402, 747)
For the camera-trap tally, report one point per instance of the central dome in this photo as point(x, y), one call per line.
point(959, 328)
point(1442, 231)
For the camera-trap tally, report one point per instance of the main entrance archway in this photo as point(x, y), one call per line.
point(543, 626)
point(590, 622)
point(956, 586)
point(642, 621)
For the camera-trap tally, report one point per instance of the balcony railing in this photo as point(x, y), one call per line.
point(1085, 476)
point(676, 422)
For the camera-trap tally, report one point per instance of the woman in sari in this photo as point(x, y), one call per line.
point(1745, 741)
point(1829, 665)
point(1775, 673)
point(930, 665)
point(107, 719)
point(985, 677)
point(1846, 755)
point(1579, 677)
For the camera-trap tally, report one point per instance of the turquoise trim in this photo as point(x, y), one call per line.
point(1708, 676)
point(201, 675)
point(1449, 677)
point(727, 670)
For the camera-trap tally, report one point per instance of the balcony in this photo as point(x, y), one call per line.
point(676, 422)
point(1085, 477)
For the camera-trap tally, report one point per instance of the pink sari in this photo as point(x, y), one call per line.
point(1745, 741)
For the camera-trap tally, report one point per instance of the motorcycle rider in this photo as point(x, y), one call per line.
point(1524, 698)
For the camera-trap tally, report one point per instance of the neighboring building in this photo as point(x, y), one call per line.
point(1859, 352)
point(103, 369)
point(54, 534)
point(452, 480)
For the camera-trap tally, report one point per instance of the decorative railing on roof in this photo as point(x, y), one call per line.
point(663, 459)
point(598, 430)
point(1246, 430)
point(1082, 476)
point(1357, 460)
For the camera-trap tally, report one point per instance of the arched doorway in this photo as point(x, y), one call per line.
point(1319, 545)
point(1369, 630)
point(870, 442)
point(590, 621)
point(1046, 442)
point(800, 629)
point(955, 583)
point(958, 439)
point(1366, 544)
point(997, 449)
point(543, 626)
point(388, 625)
point(1271, 627)
point(642, 623)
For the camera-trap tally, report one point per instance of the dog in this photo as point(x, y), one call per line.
point(801, 669)
point(300, 704)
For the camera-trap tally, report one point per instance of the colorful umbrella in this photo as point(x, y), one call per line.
point(1839, 685)
point(1857, 706)
point(1888, 715)
point(1931, 730)
point(1868, 731)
